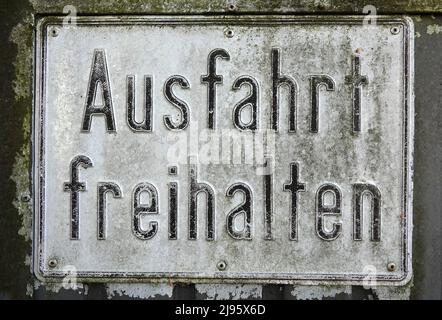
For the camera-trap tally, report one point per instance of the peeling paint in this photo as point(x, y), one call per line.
point(68, 284)
point(229, 291)
point(318, 293)
point(391, 293)
point(141, 291)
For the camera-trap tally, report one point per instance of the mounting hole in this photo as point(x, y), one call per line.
point(395, 30)
point(391, 266)
point(229, 33)
point(54, 32)
point(52, 263)
point(221, 265)
point(232, 7)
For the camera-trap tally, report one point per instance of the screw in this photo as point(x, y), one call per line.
point(26, 198)
point(232, 7)
point(228, 33)
point(395, 30)
point(391, 266)
point(221, 265)
point(173, 170)
point(54, 32)
point(52, 263)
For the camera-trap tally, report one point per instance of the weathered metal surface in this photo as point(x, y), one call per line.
point(353, 138)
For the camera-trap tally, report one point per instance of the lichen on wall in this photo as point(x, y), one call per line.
point(434, 29)
point(22, 88)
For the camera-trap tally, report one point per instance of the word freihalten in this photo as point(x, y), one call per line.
point(100, 76)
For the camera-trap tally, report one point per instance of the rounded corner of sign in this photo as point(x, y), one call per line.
point(43, 22)
point(40, 274)
point(401, 279)
point(407, 21)
point(405, 278)
point(408, 25)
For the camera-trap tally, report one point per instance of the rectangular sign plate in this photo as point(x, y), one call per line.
point(246, 148)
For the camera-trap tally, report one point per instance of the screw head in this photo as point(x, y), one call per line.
point(395, 30)
point(52, 263)
point(54, 32)
point(391, 266)
point(173, 170)
point(221, 265)
point(228, 33)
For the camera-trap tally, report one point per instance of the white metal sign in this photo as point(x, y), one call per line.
point(249, 148)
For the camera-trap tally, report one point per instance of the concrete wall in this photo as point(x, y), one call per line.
point(16, 279)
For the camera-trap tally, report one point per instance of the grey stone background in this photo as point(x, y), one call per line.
point(16, 67)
